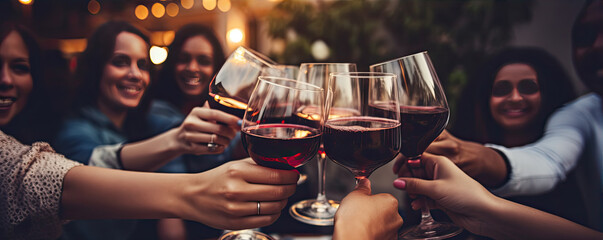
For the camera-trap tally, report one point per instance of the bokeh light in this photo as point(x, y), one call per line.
point(94, 7)
point(224, 5)
point(235, 35)
point(209, 4)
point(172, 9)
point(26, 2)
point(141, 12)
point(187, 4)
point(158, 54)
point(158, 10)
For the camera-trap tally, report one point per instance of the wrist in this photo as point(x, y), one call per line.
point(497, 170)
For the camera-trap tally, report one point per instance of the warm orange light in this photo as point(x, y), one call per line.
point(172, 9)
point(209, 4)
point(224, 5)
point(94, 7)
point(187, 4)
point(158, 10)
point(168, 37)
point(26, 2)
point(158, 54)
point(141, 12)
point(235, 35)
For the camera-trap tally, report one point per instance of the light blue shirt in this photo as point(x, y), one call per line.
point(573, 138)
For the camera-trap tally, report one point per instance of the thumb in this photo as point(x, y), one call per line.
point(415, 186)
point(363, 186)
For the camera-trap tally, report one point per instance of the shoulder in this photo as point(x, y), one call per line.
point(588, 104)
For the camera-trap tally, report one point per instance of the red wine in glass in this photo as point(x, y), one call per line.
point(281, 146)
point(362, 144)
point(420, 126)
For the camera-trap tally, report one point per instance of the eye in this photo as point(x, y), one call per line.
point(120, 61)
point(20, 67)
point(204, 60)
point(501, 88)
point(184, 58)
point(528, 87)
point(143, 65)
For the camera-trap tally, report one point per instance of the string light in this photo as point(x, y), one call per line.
point(224, 5)
point(26, 2)
point(209, 4)
point(172, 9)
point(94, 7)
point(141, 12)
point(158, 54)
point(235, 35)
point(158, 10)
point(187, 4)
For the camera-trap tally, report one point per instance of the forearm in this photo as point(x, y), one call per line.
point(150, 154)
point(509, 220)
point(99, 193)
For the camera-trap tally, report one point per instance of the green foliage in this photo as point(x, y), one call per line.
point(457, 34)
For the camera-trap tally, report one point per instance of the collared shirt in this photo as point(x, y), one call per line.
point(573, 138)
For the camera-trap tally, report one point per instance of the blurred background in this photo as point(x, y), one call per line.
point(457, 34)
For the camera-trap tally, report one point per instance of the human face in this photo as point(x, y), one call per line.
point(519, 107)
point(588, 47)
point(126, 75)
point(16, 82)
point(194, 66)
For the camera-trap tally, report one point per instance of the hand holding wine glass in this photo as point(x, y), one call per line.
point(424, 114)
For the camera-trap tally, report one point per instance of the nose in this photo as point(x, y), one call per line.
point(193, 66)
point(135, 72)
point(515, 95)
point(6, 80)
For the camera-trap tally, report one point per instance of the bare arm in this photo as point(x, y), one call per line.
point(472, 206)
point(225, 197)
point(191, 137)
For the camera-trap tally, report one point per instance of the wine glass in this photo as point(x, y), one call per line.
point(273, 133)
point(319, 211)
point(231, 88)
point(424, 115)
point(368, 137)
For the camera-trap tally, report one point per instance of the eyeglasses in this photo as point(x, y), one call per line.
point(524, 87)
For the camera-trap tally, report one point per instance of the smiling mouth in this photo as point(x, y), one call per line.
point(7, 101)
point(192, 80)
point(130, 89)
point(515, 112)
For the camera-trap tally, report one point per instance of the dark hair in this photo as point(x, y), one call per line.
point(167, 89)
point(474, 120)
point(27, 125)
point(91, 63)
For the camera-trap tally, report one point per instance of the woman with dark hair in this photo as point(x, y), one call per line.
point(35, 121)
point(195, 56)
point(111, 127)
point(508, 104)
point(512, 96)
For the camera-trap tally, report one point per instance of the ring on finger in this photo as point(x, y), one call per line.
point(211, 145)
point(259, 208)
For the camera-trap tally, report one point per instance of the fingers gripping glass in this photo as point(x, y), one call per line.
point(424, 115)
point(524, 87)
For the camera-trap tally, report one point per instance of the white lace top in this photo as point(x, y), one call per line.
point(31, 181)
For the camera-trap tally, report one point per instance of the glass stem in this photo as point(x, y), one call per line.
point(322, 197)
point(415, 164)
point(426, 218)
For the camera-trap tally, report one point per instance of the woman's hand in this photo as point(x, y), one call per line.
point(450, 189)
point(480, 162)
point(227, 197)
point(365, 216)
point(203, 126)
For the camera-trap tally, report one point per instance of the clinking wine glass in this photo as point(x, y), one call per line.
point(368, 137)
point(424, 114)
point(273, 133)
point(231, 88)
point(319, 211)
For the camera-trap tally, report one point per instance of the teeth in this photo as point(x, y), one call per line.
point(194, 81)
point(5, 102)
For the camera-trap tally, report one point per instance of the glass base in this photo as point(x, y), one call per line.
point(314, 212)
point(436, 230)
point(246, 234)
